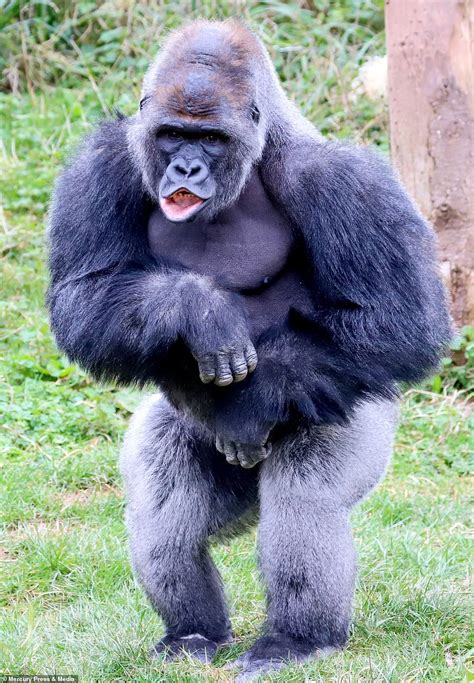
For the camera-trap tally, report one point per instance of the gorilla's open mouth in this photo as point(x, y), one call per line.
point(180, 205)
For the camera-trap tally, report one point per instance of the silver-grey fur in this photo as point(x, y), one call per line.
point(306, 489)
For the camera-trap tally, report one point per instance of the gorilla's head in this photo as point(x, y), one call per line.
point(200, 129)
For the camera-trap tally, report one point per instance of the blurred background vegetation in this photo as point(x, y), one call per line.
point(68, 597)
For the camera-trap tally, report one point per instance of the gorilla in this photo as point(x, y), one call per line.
point(277, 287)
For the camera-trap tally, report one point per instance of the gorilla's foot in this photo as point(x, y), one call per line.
point(275, 651)
point(195, 645)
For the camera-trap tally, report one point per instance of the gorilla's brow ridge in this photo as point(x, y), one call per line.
point(204, 59)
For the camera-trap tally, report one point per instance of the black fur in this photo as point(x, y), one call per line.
point(379, 314)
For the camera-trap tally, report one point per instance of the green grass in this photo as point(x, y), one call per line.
point(69, 603)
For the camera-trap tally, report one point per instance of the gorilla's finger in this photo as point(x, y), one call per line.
point(230, 452)
point(228, 448)
point(207, 371)
point(251, 357)
point(249, 459)
point(223, 372)
point(238, 366)
point(219, 444)
point(247, 464)
point(249, 456)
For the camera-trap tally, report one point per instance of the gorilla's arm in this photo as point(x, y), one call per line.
point(380, 313)
point(115, 309)
point(299, 372)
point(374, 264)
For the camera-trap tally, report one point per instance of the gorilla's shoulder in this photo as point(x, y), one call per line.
point(343, 188)
point(100, 167)
point(107, 142)
point(328, 164)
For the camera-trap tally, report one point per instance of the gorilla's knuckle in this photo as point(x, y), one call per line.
point(223, 380)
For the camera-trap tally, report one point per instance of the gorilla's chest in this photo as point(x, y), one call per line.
point(245, 247)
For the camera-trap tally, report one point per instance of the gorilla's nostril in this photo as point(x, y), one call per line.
point(194, 170)
point(182, 170)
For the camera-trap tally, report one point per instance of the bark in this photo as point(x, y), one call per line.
point(431, 96)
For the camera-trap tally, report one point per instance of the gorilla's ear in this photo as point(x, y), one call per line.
point(255, 113)
point(144, 100)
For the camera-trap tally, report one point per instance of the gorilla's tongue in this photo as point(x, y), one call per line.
point(180, 205)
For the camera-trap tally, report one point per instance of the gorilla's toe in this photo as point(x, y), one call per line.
point(171, 648)
point(272, 652)
point(258, 668)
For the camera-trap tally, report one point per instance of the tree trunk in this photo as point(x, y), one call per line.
point(431, 96)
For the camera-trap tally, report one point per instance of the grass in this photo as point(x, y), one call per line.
point(69, 603)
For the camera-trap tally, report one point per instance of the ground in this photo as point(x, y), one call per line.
point(69, 602)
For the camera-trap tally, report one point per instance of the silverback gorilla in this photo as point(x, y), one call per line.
point(276, 287)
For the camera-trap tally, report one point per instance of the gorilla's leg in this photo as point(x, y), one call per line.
point(307, 487)
point(180, 490)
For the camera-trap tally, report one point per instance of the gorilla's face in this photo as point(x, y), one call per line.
point(193, 156)
point(194, 164)
point(196, 137)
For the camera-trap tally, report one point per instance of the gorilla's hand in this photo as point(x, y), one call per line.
point(227, 365)
point(246, 455)
point(218, 337)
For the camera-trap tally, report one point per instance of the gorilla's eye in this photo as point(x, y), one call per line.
point(173, 135)
point(212, 138)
